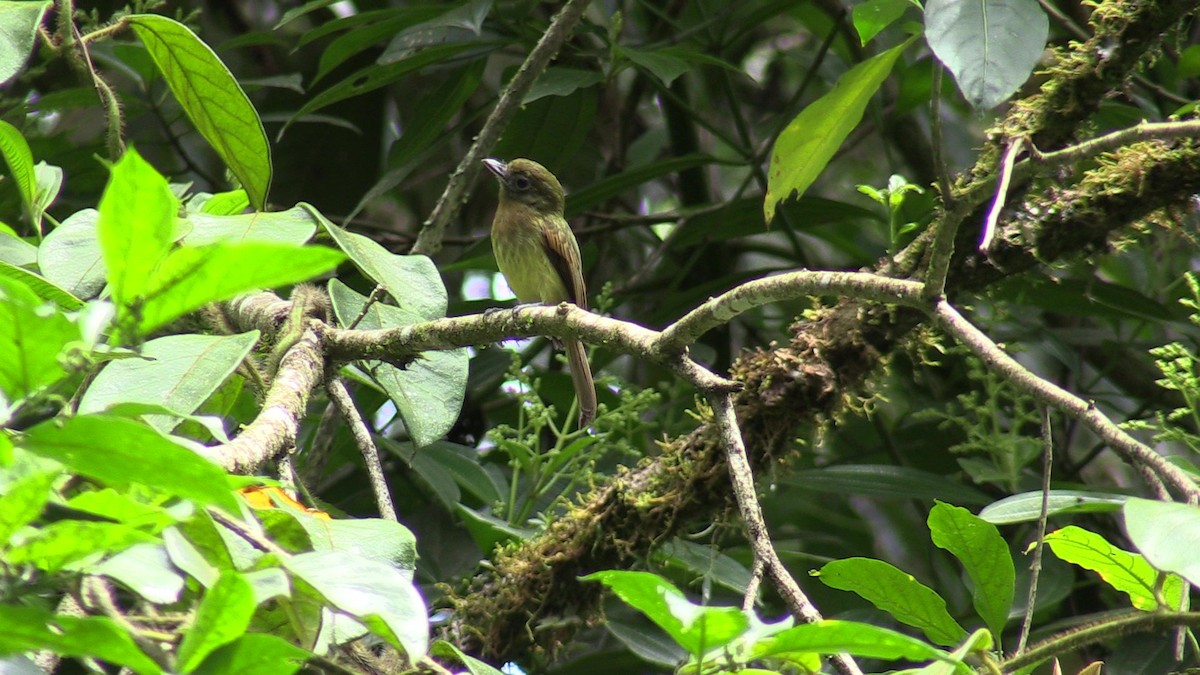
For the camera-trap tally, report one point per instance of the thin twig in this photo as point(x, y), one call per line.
point(362, 438)
point(429, 241)
point(742, 478)
point(1136, 453)
point(1006, 169)
point(1035, 567)
point(935, 131)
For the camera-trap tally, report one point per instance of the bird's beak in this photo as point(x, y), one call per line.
point(497, 167)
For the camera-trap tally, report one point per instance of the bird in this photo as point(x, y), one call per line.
point(538, 255)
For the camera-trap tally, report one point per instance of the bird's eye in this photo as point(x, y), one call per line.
point(521, 182)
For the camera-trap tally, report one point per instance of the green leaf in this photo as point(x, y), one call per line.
point(810, 141)
point(32, 335)
point(294, 226)
point(58, 544)
point(611, 186)
point(696, 628)
point(223, 616)
point(23, 501)
point(886, 480)
point(376, 539)
point(990, 46)
point(983, 553)
point(873, 16)
point(462, 464)
point(16, 251)
point(369, 28)
point(896, 593)
point(192, 277)
point(145, 569)
point(19, 22)
point(70, 256)
point(118, 451)
point(255, 654)
point(109, 503)
point(662, 64)
point(487, 530)
point(1027, 506)
point(561, 81)
point(38, 284)
point(13, 145)
point(178, 372)
point(850, 637)
point(212, 99)
point(373, 77)
point(474, 666)
point(376, 593)
point(707, 563)
point(1126, 572)
point(231, 203)
point(135, 227)
point(429, 391)
point(1168, 534)
point(29, 628)
point(412, 280)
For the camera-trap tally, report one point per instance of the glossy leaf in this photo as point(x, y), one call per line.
point(1167, 533)
point(811, 139)
point(1126, 572)
point(38, 284)
point(13, 146)
point(118, 451)
point(873, 16)
point(294, 226)
point(849, 637)
point(191, 277)
point(255, 654)
point(223, 616)
point(984, 554)
point(18, 24)
point(1027, 506)
point(54, 546)
point(70, 255)
point(429, 391)
point(30, 628)
point(178, 372)
point(145, 569)
point(32, 335)
point(696, 628)
point(990, 46)
point(374, 592)
point(135, 226)
point(212, 99)
point(897, 593)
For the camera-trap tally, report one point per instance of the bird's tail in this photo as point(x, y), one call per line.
point(581, 376)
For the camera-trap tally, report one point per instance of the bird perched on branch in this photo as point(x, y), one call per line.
point(538, 255)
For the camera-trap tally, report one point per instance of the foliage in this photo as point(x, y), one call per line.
point(255, 418)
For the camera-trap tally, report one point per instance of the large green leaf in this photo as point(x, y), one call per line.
point(191, 277)
point(58, 544)
point(31, 339)
point(145, 569)
point(223, 616)
point(178, 372)
point(16, 151)
point(1027, 506)
point(374, 592)
point(428, 392)
point(849, 637)
point(212, 99)
point(896, 593)
point(294, 226)
point(70, 256)
point(135, 227)
point(990, 46)
point(1167, 533)
point(119, 451)
point(19, 22)
point(23, 501)
point(44, 289)
point(255, 654)
point(25, 629)
point(1127, 572)
point(412, 280)
point(368, 29)
point(983, 553)
point(696, 628)
point(810, 141)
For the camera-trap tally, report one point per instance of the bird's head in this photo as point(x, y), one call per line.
point(527, 182)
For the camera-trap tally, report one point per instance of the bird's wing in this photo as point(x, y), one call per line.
point(563, 251)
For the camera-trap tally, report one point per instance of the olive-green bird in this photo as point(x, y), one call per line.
point(538, 255)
